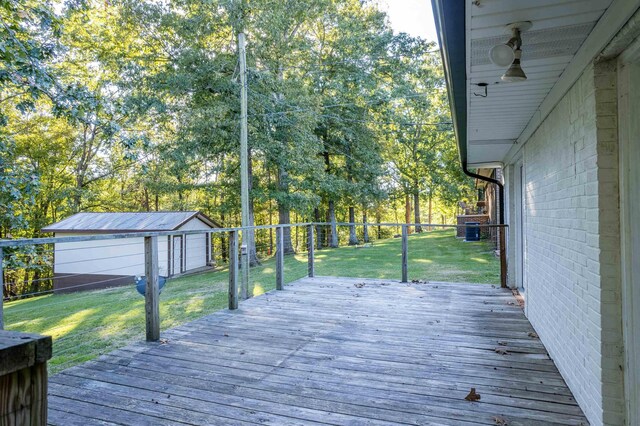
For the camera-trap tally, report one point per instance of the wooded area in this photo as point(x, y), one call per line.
point(134, 106)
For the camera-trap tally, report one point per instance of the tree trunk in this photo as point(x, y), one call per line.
point(147, 203)
point(251, 236)
point(416, 210)
point(297, 233)
point(270, 233)
point(353, 238)
point(407, 210)
point(319, 229)
point(378, 220)
point(395, 213)
point(77, 194)
point(35, 281)
point(333, 243)
point(327, 228)
point(284, 215)
point(365, 232)
point(223, 248)
point(430, 210)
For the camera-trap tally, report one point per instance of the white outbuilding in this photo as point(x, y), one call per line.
point(95, 264)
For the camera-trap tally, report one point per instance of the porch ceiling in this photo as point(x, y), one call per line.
point(560, 28)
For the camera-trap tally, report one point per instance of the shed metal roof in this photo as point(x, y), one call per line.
point(127, 222)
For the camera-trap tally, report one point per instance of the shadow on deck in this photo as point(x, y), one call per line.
point(331, 351)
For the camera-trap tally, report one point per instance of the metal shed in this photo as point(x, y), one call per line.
point(106, 263)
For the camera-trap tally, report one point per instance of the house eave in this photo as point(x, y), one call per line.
point(513, 117)
point(450, 18)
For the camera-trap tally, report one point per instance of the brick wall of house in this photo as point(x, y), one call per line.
point(571, 249)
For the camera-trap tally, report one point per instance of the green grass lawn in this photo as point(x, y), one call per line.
point(87, 324)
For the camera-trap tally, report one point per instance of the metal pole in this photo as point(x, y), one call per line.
point(503, 256)
point(244, 165)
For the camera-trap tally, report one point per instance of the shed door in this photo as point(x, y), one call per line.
point(177, 255)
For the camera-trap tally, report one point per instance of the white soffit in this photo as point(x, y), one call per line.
point(559, 28)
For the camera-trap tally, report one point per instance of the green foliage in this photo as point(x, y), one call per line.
point(134, 105)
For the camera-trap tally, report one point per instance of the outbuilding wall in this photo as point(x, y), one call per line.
point(196, 245)
point(104, 263)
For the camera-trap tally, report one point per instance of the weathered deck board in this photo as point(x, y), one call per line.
point(331, 351)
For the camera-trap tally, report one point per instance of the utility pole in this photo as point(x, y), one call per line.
point(244, 167)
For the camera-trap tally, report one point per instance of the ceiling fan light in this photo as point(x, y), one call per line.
point(515, 72)
point(502, 55)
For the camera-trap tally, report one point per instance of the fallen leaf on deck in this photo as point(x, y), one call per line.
point(226, 335)
point(502, 343)
point(534, 335)
point(164, 341)
point(359, 285)
point(502, 351)
point(500, 421)
point(473, 396)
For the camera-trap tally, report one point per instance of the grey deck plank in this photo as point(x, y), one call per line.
point(331, 350)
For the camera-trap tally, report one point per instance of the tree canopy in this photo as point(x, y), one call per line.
point(127, 105)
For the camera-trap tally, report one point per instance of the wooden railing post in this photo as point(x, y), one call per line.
point(244, 265)
point(152, 290)
point(503, 256)
point(279, 258)
point(310, 248)
point(233, 270)
point(405, 253)
point(23, 378)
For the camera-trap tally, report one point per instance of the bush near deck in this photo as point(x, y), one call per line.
point(85, 325)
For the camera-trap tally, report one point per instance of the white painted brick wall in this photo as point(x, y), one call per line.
point(572, 242)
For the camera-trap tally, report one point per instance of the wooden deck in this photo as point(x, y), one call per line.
point(331, 351)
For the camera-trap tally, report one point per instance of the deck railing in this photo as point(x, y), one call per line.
point(309, 241)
